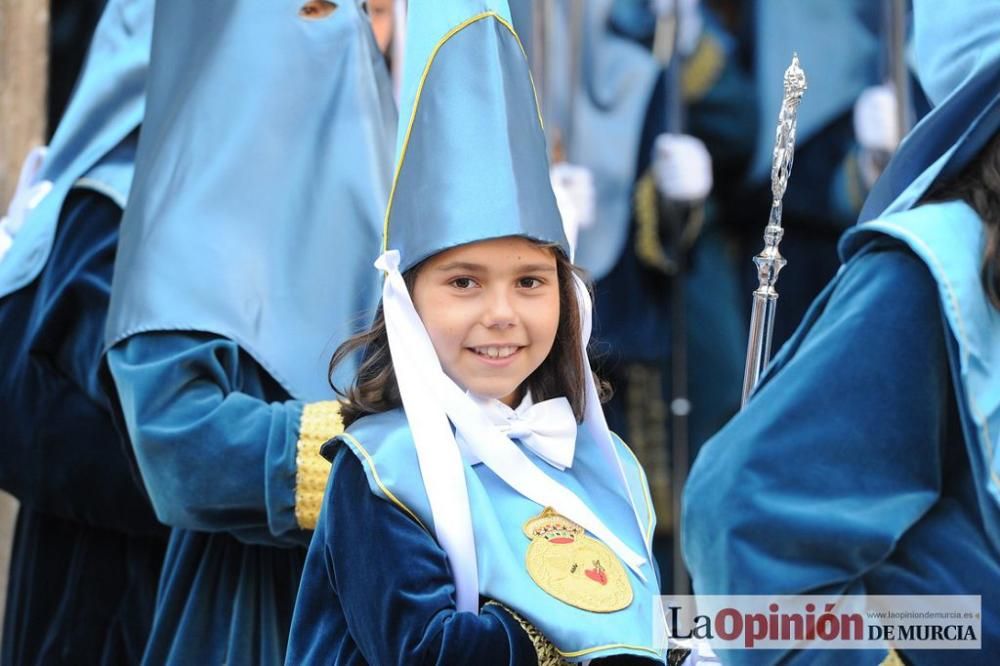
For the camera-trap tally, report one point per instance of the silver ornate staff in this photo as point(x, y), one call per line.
point(770, 262)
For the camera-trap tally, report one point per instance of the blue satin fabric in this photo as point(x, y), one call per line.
point(107, 105)
point(87, 547)
point(377, 589)
point(265, 157)
point(215, 437)
point(855, 468)
point(474, 164)
point(112, 176)
point(385, 445)
point(838, 45)
point(955, 56)
point(610, 97)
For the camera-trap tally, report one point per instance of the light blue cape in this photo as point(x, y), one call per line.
point(107, 105)
point(261, 179)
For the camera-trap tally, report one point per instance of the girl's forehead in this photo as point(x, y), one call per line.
point(501, 252)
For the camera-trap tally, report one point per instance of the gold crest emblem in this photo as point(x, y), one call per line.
point(573, 567)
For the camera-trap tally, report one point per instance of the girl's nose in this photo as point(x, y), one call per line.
point(499, 311)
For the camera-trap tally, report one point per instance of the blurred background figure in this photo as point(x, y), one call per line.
point(245, 259)
point(88, 548)
point(865, 461)
point(848, 126)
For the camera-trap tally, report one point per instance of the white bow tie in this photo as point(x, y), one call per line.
point(548, 428)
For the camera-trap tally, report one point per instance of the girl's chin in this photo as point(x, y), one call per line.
point(505, 395)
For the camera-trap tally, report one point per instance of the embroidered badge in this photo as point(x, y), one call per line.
point(573, 567)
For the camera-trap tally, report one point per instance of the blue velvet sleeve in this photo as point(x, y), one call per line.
point(838, 454)
point(214, 436)
point(61, 453)
point(377, 589)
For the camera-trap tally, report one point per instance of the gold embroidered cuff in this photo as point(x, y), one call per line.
point(702, 69)
point(648, 245)
point(546, 652)
point(320, 421)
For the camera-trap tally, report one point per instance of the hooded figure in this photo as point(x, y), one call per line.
point(493, 514)
point(87, 548)
point(261, 177)
point(865, 462)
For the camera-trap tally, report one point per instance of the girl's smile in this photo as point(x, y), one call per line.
point(491, 309)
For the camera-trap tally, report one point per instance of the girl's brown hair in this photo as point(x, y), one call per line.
point(375, 390)
point(979, 186)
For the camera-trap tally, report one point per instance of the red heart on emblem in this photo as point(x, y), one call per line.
point(597, 575)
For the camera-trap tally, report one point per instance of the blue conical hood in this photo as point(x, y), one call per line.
point(471, 159)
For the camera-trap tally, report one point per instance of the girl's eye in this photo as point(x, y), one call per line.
point(529, 283)
point(463, 283)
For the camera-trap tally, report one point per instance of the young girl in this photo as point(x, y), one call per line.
point(478, 509)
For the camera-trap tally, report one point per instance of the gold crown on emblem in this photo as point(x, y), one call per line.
point(550, 525)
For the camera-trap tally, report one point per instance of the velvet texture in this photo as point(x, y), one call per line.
point(215, 438)
point(87, 547)
point(377, 589)
point(848, 471)
point(385, 443)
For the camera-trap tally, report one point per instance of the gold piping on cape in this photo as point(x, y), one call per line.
point(355, 444)
point(650, 514)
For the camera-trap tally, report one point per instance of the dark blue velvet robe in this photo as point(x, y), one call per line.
point(215, 437)
point(377, 589)
point(848, 471)
point(87, 548)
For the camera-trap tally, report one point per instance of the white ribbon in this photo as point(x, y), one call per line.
point(593, 416)
point(416, 365)
point(431, 399)
point(548, 428)
point(28, 194)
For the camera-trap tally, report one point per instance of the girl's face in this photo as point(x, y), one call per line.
point(492, 311)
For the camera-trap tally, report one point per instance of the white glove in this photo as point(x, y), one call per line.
point(876, 129)
point(875, 123)
point(691, 22)
point(28, 194)
point(576, 197)
point(682, 168)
